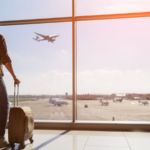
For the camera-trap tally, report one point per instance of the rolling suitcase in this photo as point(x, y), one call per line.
point(21, 123)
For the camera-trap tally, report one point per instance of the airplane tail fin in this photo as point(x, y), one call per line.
point(36, 39)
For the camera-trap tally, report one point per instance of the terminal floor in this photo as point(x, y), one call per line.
point(86, 140)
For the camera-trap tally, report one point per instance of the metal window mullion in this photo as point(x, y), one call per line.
point(113, 16)
point(77, 18)
point(74, 60)
point(35, 21)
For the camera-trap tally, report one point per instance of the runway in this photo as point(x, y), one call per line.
point(127, 110)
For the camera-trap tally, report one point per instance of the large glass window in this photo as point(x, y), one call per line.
point(113, 70)
point(98, 7)
point(44, 68)
point(34, 9)
point(112, 58)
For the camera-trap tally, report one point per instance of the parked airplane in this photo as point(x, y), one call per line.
point(104, 102)
point(143, 102)
point(51, 101)
point(58, 103)
point(118, 99)
point(45, 37)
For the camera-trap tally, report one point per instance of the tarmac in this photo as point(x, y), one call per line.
point(127, 110)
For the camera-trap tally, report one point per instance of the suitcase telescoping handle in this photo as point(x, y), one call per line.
point(15, 94)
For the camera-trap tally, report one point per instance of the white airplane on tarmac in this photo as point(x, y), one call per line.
point(118, 99)
point(51, 101)
point(104, 102)
point(143, 102)
point(57, 103)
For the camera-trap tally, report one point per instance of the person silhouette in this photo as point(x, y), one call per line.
point(4, 102)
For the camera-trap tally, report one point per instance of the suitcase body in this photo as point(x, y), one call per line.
point(21, 125)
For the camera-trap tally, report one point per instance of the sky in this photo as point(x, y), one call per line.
point(112, 55)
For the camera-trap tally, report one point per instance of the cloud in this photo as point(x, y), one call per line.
point(44, 75)
point(64, 51)
point(57, 74)
point(138, 71)
point(110, 72)
point(85, 73)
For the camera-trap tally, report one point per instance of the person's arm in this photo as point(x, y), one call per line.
point(5, 59)
point(9, 67)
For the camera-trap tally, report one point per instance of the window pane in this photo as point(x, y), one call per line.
point(44, 68)
point(113, 63)
point(97, 7)
point(34, 9)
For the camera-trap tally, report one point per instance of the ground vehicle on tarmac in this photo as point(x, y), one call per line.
point(85, 106)
point(118, 99)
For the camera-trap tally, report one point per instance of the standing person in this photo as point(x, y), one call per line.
point(4, 102)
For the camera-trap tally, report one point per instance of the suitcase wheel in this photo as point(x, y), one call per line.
point(22, 145)
point(12, 145)
point(31, 140)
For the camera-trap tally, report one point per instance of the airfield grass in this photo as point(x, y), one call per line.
point(20, 100)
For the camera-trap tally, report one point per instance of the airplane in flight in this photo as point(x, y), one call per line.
point(143, 102)
point(57, 103)
point(45, 37)
point(118, 99)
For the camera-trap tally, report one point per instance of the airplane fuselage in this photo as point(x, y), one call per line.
point(117, 99)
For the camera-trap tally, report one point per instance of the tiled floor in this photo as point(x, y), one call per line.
point(87, 140)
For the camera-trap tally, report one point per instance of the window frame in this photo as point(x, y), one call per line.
point(75, 124)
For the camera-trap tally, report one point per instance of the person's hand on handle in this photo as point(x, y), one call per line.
point(10, 69)
point(16, 81)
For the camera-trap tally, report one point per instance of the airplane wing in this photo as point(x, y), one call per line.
point(40, 35)
point(54, 36)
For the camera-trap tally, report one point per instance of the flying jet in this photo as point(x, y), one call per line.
point(45, 37)
point(104, 102)
point(143, 102)
point(118, 99)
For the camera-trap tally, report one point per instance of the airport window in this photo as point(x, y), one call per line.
point(35, 9)
point(44, 68)
point(95, 69)
point(112, 72)
point(101, 7)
